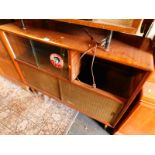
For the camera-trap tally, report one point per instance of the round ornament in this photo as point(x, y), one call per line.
point(56, 60)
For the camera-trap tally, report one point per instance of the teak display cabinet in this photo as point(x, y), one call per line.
point(119, 73)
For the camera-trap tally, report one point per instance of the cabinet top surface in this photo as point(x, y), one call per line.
point(124, 49)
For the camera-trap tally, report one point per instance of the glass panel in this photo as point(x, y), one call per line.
point(51, 58)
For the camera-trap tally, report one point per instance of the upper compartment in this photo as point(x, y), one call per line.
point(125, 49)
point(46, 57)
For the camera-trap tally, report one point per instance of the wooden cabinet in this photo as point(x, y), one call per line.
point(141, 120)
point(118, 73)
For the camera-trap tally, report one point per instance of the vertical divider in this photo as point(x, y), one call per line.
point(74, 64)
point(60, 90)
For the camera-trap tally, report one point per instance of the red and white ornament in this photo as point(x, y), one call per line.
point(56, 60)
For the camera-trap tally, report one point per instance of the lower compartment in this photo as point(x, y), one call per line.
point(98, 106)
point(40, 80)
point(104, 108)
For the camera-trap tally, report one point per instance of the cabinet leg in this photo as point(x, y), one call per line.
point(33, 90)
point(105, 126)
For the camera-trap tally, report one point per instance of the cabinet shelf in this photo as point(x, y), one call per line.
point(129, 50)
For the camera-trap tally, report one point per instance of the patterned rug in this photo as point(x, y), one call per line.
point(26, 113)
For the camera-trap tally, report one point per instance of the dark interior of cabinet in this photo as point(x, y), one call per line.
point(114, 78)
point(38, 54)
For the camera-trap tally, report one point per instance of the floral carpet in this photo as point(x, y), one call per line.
point(25, 113)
